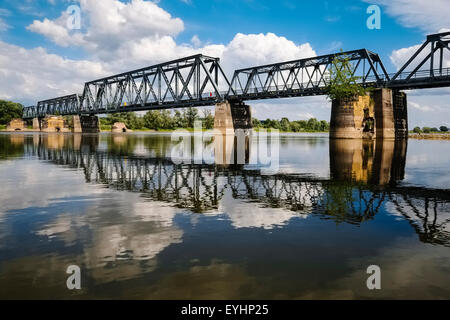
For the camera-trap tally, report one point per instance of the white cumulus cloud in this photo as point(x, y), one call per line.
point(430, 16)
point(28, 75)
point(116, 37)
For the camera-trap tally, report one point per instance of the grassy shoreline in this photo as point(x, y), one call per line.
point(192, 130)
point(430, 136)
point(412, 135)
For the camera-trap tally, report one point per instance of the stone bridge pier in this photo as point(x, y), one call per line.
point(381, 114)
point(85, 124)
point(80, 124)
point(232, 115)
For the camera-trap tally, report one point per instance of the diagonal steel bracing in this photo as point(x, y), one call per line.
point(303, 77)
point(426, 65)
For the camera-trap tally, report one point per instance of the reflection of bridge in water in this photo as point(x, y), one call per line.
point(364, 179)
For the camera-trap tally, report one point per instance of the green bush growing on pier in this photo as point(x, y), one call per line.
point(343, 84)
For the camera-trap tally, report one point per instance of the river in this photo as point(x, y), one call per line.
point(141, 222)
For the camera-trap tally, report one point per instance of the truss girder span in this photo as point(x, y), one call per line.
point(303, 77)
point(428, 67)
point(193, 81)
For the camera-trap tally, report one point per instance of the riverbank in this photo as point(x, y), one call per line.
point(430, 136)
point(418, 136)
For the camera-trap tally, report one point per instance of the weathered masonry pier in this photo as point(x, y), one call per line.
point(199, 80)
point(381, 114)
point(77, 124)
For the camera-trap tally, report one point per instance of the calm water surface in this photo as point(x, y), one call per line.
point(141, 226)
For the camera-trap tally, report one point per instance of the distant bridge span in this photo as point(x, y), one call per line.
point(200, 81)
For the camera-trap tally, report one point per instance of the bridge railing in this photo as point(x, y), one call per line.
point(444, 72)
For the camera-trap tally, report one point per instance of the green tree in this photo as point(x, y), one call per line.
point(10, 110)
point(131, 120)
point(417, 130)
point(153, 120)
point(256, 123)
point(274, 124)
point(343, 84)
point(208, 119)
point(303, 124)
point(443, 128)
point(295, 126)
point(434, 129)
point(313, 125)
point(190, 116)
point(426, 129)
point(324, 126)
point(178, 119)
point(285, 125)
point(167, 121)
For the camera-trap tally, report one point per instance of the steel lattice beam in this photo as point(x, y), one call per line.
point(303, 77)
point(180, 83)
point(191, 81)
point(428, 66)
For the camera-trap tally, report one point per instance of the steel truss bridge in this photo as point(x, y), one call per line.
point(200, 81)
point(201, 187)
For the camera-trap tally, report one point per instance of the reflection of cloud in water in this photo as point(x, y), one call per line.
point(113, 227)
point(31, 176)
point(244, 214)
point(121, 243)
point(118, 245)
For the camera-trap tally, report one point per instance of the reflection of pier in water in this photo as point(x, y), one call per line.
point(364, 178)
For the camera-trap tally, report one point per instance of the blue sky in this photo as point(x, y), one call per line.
point(115, 36)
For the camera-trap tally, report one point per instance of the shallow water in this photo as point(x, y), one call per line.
point(141, 226)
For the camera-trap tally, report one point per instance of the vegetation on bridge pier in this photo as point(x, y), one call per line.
point(343, 85)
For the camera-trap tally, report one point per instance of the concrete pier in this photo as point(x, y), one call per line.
point(232, 115)
point(400, 114)
point(89, 124)
point(76, 124)
point(120, 127)
point(382, 114)
point(54, 124)
point(353, 119)
point(16, 125)
point(36, 124)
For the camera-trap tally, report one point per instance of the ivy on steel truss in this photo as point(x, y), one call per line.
point(304, 77)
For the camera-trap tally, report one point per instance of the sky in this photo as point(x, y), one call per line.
point(42, 58)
